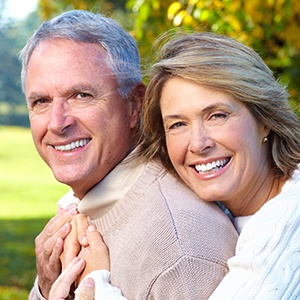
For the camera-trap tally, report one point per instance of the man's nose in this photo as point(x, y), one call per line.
point(60, 117)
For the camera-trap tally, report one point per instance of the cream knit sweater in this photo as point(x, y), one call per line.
point(267, 261)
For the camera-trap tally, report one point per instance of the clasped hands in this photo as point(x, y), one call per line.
point(67, 250)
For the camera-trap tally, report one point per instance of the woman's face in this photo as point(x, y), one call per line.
point(215, 144)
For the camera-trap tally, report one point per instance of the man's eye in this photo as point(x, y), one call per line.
point(82, 95)
point(39, 105)
point(39, 102)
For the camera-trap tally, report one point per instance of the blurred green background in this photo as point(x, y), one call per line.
point(28, 191)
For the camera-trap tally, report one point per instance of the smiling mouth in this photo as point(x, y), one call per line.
point(213, 166)
point(72, 146)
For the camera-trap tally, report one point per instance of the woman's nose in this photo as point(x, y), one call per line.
point(200, 141)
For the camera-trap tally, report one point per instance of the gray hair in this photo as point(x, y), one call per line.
point(87, 27)
point(223, 64)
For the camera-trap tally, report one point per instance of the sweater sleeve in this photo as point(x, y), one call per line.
point(267, 261)
point(189, 278)
point(35, 293)
point(103, 288)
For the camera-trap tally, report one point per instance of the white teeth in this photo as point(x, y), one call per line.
point(72, 145)
point(215, 165)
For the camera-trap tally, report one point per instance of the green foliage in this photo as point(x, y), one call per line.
point(48, 9)
point(271, 27)
point(28, 193)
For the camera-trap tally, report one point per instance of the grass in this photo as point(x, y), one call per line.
point(28, 193)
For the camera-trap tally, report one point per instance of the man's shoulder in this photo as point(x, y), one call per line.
point(189, 214)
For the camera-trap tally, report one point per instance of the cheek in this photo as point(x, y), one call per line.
point(177, 148)
point(39, 127)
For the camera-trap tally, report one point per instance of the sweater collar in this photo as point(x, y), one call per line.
point(101, 198)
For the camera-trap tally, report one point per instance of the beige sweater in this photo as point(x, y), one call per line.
point(164, 242)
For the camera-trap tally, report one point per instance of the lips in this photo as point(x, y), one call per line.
point(213, 166)
point(72, 146)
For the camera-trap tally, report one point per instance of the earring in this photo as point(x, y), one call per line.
point(265, 139)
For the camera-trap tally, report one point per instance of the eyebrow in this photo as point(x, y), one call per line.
point(218, 105)
point(172, 117)
point(71, 90)
point(35, 96)
point(80, 87)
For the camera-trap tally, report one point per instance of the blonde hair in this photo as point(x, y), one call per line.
point(223, 64)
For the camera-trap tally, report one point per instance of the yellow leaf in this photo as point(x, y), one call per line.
point(179, 17)
point(188, 20)
point(193, 2)
point(173, 9)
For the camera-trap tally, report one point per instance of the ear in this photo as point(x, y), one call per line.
point(136, 99)
point(265, 131)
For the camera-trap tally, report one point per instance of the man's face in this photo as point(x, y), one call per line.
point(81, 126)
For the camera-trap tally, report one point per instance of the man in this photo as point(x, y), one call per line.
point(83, 86)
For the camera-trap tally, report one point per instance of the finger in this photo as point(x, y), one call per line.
point(55, 227)
point(71, 246)
point(50, 243)
point(54, 259)
point(48, 248)
point(82, 226)
point(61, 287)
point(62, 217)
point(86, 290)
point(51, 269)
point(96, 242)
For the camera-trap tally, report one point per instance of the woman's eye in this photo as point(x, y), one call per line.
point(176, 125)
point(217, 116)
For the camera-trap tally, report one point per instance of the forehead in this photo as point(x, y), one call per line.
point(62, 49)
point(61, 61)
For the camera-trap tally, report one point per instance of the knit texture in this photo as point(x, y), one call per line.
point(267, 261)
point(164, 242)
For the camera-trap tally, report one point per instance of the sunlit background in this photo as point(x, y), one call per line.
point(28, 191)
point(18, 9)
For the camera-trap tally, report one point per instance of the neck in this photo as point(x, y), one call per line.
point(256, 198)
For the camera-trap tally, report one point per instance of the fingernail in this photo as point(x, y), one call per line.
point(91, 228)
point(72, 210)
point(84, 240)
point(89, 282)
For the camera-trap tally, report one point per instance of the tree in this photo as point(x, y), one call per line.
point(50, 8)
point(271, 27)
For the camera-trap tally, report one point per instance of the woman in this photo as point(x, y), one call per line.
point(231, 136)
point(215, 116)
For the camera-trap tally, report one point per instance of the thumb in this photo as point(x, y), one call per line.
point(86, 290)
point(95, 240)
